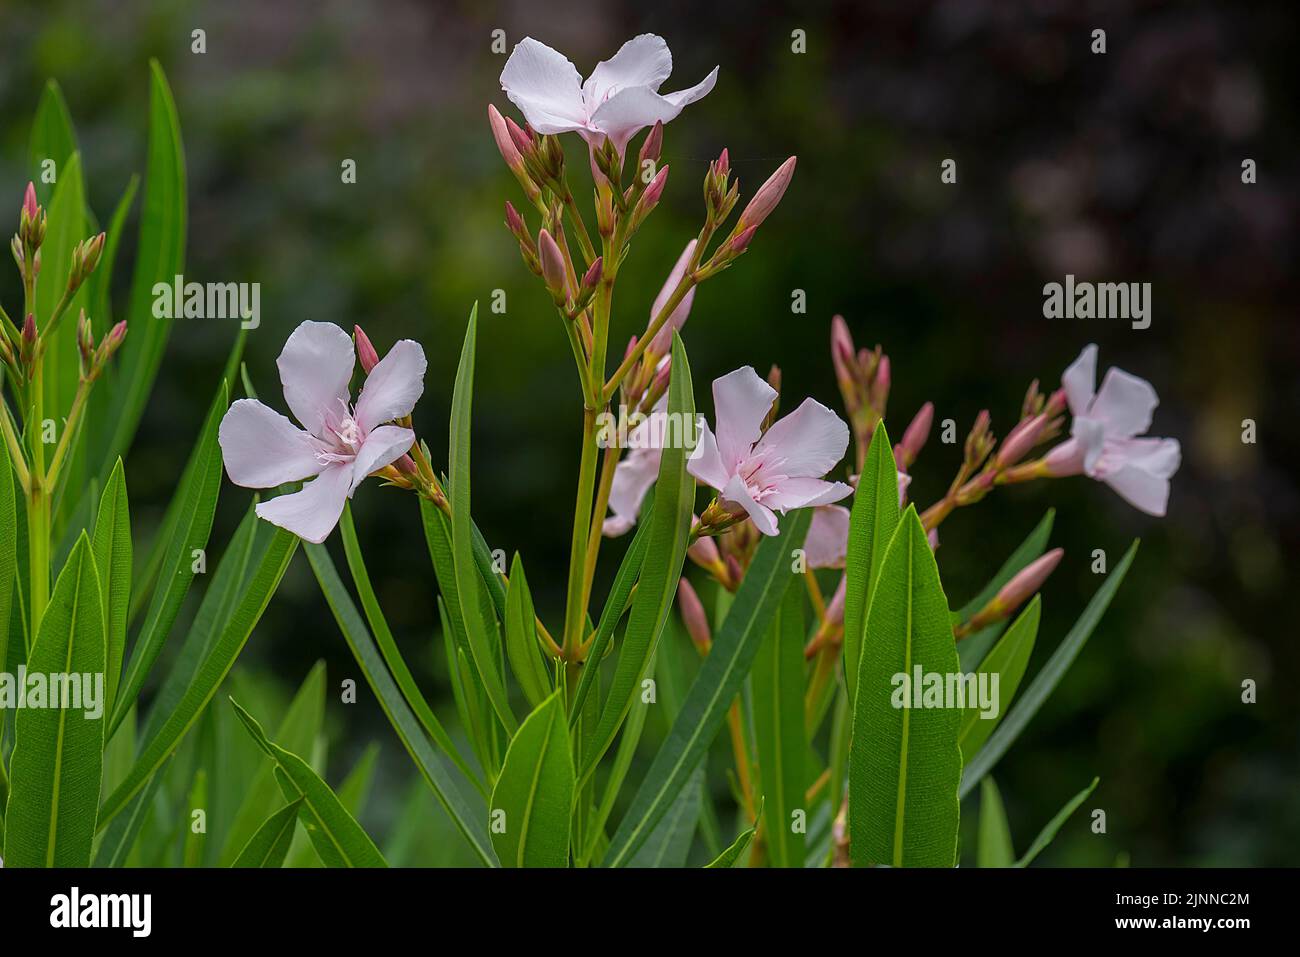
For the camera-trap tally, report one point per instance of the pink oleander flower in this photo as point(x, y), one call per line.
point(764, 473)
point(1106, 440)
point(619, 99)
point(341, 444)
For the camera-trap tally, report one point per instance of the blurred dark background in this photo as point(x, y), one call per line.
point(1117, 167)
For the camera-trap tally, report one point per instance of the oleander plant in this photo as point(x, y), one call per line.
point(777, 601)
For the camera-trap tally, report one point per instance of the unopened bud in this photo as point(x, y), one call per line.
point(1027, 581)
point(1021, 440)
point(880, 383)
point(979, 442)
point(592, 277)
point(650, 198)
point(522, 140)
point(915, 437)
point(406, 465)
point(85, 342)
point(29, 201)
point(694, 617)
point(768, 196)
point(366, 353)
point(704, 552)
point(835, 610)
point(1056, 404)
point(653, 146)
point(741, 241)
point(553, 269)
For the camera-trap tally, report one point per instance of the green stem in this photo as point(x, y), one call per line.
point(38, 510)
point(575, 611)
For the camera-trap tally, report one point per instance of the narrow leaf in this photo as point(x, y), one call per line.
point(669, 843)
point(731, 855)
point(994, 848)
point(112, 549)
point(270, 842)
point(1048, 833)
point(1007, 661)
point(522, 649)
point(533, 797)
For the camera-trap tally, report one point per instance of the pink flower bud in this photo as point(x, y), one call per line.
point(501, 133)
point(835, 610)
point(694, 617)
point(1027, 581)
point(842, 352)
point(29, 201)
point(741, 241)
point(768, 195)
point(29, 330)
point(553, 270)
point(655, 190)
point(1056, 403)
point(522, 140)
point(653, 146)
point(366, 353)
point(592, 276)
point(704, 552)
point(1021, 439)
point(723, 166)
point(880, 384)
point(918, 432)
point(406, 465)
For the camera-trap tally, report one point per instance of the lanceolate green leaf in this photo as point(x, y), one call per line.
point(777, 702)
point(1048, 833)
point(58, 745)
point(522, 649)
point(159, 258)
point(210, 674)
point(1046, 680)
point(669, 536)
point(467, 812)
point(669, 844)
point(904, 762)
point(8, 557)
point(198, 497)
point(53, 138)
point(338, 838)
point(972, 650)
point(480, 631)
point(994, 848)
point(716, 685)
point(270, 842)
point(112, 548)
point(297, 733)
point(1007, 660)
point(731, 855)
point(533, 797)
point(871, 527)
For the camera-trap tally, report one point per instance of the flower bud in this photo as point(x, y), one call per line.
point(704, 552)
point(29, 202)
point(592, 277)
point(878, 395)
point(914, 439)
point(1056, 404)
point(366, 353)
point(768, 196)
point(510, 153)
point(1021, 440)
point(1028, 580)
point(553, 269)
point(653, 145)
point(741, 241)
point(650, 198)
point(406, 465)
point(522, 139)
point(694, 617)
point(979, 442)
point(835, 610)
point(85, 343)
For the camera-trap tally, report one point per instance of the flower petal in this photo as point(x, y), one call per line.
point(737, 493)
point(315, 367)
point(545, 86)
point(1080, 379)
point(1124, 403)
point(699, 91)
point(263, 449)
point(629, 111)
point(1090, 434)
point(1142, 489)
point(633, 477)
point(705, 461)
point(828, 537)
point(642, 61)
point(663, 340)
point(805, 493)
point(383, 446)
point(741, 400)
point(808, 442)
point(393, 387)
point(312, 513)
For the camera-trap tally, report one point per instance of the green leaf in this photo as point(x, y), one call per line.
point(904, 762)
point(716, 685)
point(53, 138)
point(973, 649)
point(871, 527)
point(216, 665)
point(669, 844)
point(522, 649)
point(1046, 680)
point(338, 838)
point(994, 849)
point(615, 604)
point(731, 855)
point(297, 732)
point(270, 842)
point(1007, 660)
point(777, 703)
point(112, 549)
point(197, 497)
point(1048, 833)
point(669, 536)
point(100, 283)
point(479, 629)
point(58, 756)
point(192, 852)
point(356, 786)
point(8, 557)
point(388, 647)
point(466, 812)
point(623, 755)
point(67, 227)
point(160, 257)
point(533, 797)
